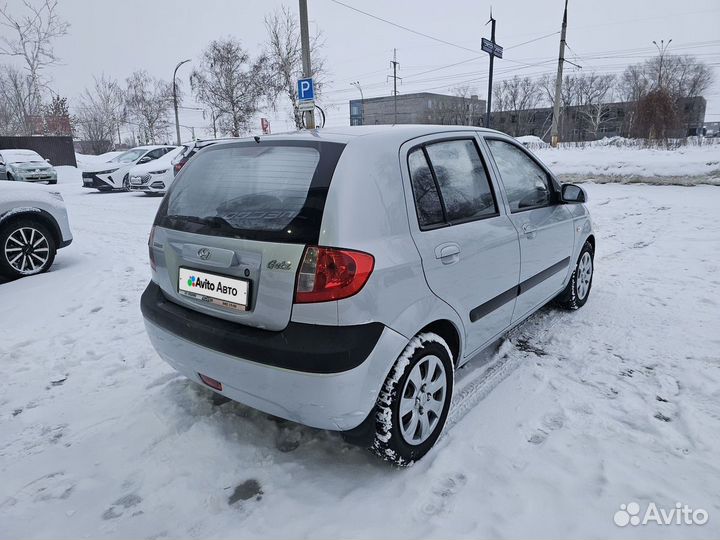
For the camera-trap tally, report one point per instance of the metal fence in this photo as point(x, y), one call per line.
point(59, 150)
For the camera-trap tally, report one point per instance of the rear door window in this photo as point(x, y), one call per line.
point(427, 200)
point(271, 191)
point(450, 183)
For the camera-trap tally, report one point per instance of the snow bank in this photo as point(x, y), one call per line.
point(607, 162)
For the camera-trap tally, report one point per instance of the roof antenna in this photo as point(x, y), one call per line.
point(257, 139)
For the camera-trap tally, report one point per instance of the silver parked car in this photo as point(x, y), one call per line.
point(338, 278)
point(33, 226)
point(26, 166)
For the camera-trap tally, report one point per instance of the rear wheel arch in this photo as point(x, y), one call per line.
point(449, 332)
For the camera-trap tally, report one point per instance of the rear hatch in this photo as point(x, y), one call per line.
point(230, 234)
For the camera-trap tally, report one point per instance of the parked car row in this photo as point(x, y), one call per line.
point(146, 169)
point(115, 174)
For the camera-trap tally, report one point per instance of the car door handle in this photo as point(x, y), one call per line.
point(448, 253)
point(529, 230)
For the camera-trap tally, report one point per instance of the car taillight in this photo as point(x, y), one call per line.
point(153, 264)
point(178, 166)
point(331, 274)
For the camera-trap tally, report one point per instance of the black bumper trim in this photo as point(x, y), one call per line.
point(93, 182)
point(300, 347)
point(65, 243)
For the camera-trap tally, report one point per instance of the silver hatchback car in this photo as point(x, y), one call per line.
point(338, 278)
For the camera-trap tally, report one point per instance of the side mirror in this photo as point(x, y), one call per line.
point(48, 162)
point(572, 194)
point(144, 159)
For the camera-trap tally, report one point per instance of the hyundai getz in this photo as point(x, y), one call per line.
point(338, 278)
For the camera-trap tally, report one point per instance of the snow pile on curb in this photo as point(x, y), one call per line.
point(602, 163)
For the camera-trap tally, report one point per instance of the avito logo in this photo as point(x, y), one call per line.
point(200, 283)
point(206, 284)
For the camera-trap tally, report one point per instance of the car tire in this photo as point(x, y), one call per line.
point(16, 237)
point(10, 177)
point(126, 182)
point(578, 289)
point(52, 182)
point(414, 401)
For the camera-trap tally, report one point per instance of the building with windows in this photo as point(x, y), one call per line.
point(589, 123)
point(420, 108)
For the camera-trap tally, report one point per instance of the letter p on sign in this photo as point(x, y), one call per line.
point(306, 90)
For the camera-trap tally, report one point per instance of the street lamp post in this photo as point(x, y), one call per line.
point(662, 49)
point(356, 84)
point(177, 118)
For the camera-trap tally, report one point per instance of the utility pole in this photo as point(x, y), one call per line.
point(395, 78)
point(554, 138)
point(662, 49)
point(177, 118)
point(307, 68)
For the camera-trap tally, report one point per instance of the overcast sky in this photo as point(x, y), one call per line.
point(119, 37)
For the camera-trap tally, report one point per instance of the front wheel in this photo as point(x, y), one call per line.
point(26, 248)
point(578, 289)
point(126, 183)
point(414, 401)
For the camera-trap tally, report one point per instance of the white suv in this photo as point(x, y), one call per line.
point(338, 278)
point(33, 226)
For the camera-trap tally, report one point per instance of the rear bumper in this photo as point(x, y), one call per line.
point(327, 377)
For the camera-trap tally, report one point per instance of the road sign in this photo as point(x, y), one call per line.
point(491, 48)
point(306, 90)
point(306, 105)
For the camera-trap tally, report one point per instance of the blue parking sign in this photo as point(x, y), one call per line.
point(306, 90)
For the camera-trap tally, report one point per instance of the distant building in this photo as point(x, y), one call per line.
point(595, 122)
point(420, 108)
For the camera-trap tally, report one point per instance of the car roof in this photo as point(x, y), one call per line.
point(18, 151)
point(150, 147)
point(389, 134)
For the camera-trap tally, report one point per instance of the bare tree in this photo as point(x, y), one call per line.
point(681, 76)
point(149, 102)
point(30, 38)
point(100, 111)
point(284, 55)
point(464, 111)
point(231, 84)
point(594, 91)
point(518, 95)
point(657, 115)
point(17, 100)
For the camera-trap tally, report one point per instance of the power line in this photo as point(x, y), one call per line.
point(396, 25)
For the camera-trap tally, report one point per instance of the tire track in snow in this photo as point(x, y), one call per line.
point(472, 388)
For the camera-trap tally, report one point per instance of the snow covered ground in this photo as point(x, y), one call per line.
point(613, 160)
point(577, 414)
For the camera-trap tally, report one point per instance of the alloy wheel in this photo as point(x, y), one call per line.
point(584, 275)
point(423, 398)
point(27, 250)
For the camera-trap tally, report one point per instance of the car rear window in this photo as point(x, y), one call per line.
point(272, 191)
